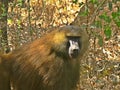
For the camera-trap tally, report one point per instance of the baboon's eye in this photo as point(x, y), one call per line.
point(73, 38)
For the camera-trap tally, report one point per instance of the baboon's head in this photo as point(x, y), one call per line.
point(70, 41)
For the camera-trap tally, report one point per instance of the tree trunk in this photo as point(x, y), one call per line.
point(3, 25)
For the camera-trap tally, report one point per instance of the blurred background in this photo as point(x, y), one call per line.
point(22, 21)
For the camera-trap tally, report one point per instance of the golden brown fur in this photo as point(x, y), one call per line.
point(4, 73)
point(44, 64)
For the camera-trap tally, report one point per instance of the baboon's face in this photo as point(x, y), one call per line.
point(73, 46)
point(70, 40)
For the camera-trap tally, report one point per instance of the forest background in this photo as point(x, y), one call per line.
point(23, 21)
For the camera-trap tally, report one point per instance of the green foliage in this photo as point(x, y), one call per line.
point(4, 13)
point(116, 17)
point(110, 5)
point(94, 1)
point(105, 17)
point(100, 40)
point(107, 31)
point(106, 20)
point(75, 1)
point(20, 3)
point(19, 24)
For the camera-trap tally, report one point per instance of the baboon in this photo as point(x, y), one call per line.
point(49, 63)
point(4, 74)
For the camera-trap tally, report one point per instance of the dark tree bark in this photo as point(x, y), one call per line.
point(3, 24)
